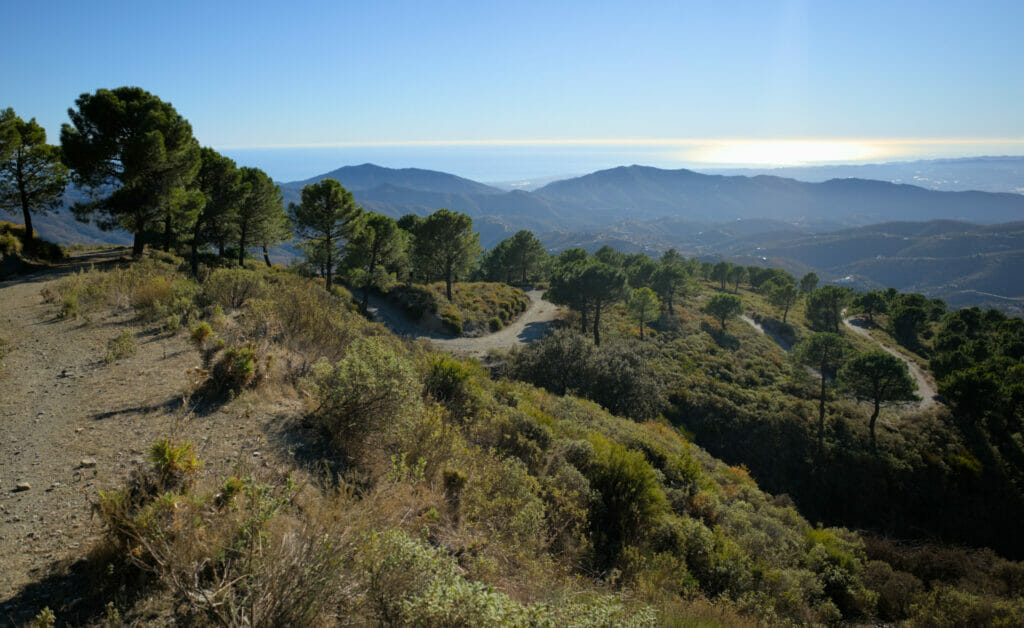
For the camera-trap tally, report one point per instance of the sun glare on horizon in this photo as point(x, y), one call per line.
point(787, 152)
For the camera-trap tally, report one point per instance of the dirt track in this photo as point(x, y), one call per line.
point(926, 389)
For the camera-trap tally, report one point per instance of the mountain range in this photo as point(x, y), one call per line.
point(644, 193)
point(962, 246)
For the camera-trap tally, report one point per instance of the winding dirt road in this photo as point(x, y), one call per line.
point(531, 325)
point(926, 389)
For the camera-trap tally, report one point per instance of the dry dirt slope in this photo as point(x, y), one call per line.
point(61, 406)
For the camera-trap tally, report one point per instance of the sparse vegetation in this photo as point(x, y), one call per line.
point(122, 346)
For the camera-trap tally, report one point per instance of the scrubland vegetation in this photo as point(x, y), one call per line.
point(458, 499)
point(475, 308)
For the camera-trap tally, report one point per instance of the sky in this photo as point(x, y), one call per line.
point(552, 83)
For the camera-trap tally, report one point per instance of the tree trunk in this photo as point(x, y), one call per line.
point(167, 232)
point(597, 326)
point(266, 256)
point(29, 233)
point(785, 313)
point(871, 424)
point(448, 286)
point(821, 414)
point(583, 320)
point(241, 249)
point(220, 248)
point(138, 245)
point(641, 328)
point(196, 231)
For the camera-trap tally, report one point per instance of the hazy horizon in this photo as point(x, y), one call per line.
point(499, 92)
point(507, 164)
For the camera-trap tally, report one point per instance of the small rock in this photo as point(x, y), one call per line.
point(87, 463)
point(256, 454)
point(78, 430)
point(22, 486)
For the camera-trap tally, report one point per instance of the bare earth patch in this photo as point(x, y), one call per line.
point(72, 424)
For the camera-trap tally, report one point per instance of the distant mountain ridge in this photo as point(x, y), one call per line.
point(368, 176)
point(948, 243)
point(985, 174)
point(645, 193)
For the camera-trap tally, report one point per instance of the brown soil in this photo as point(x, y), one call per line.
point(73, 425)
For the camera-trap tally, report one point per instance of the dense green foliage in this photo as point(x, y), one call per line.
point(132, 151)
point(521, 258)
point(325, 220)
point(475, 307)
point(445, 247)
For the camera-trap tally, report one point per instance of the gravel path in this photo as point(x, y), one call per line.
point(531, 325)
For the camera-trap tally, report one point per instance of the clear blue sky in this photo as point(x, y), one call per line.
point(257, 74)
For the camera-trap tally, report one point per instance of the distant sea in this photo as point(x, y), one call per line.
point(486, 164)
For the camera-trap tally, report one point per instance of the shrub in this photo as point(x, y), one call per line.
point(451, 320)
point(630, 499)
point(237, 368)
point(173, 463)
point(122, 346)
point(371, 387)
point(9, 244)
point(232, 287)
point(495, 324)
point(447, 379)
point(617, 375)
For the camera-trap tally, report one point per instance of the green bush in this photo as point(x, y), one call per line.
point(447, 379)
point(232, 287)
point(122, 346)
point(371, 388)
point(495, 324)
point(451, 320)
point(237, 368)
point(631, 498)
point(619, 375)
point(9, 244)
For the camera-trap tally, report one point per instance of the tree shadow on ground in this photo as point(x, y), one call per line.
point(721, 337)
point(78, 592)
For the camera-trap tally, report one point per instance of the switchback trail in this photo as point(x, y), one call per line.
point(531, 325)
point(926, 389)
point(925, 385)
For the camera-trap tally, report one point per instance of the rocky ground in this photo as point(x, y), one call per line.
point(71, 424)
